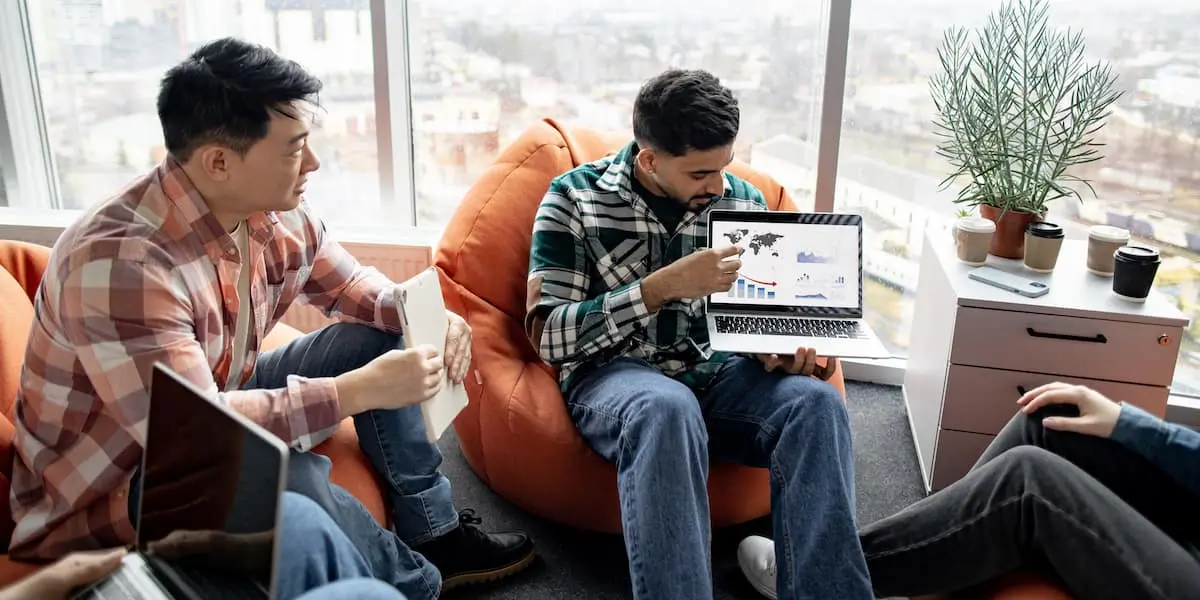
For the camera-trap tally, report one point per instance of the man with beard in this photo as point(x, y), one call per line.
point(617, 282)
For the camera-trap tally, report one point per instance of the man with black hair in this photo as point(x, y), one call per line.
point(617, 280)
point(191, 265)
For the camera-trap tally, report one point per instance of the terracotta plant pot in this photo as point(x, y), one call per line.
point(1009, 239)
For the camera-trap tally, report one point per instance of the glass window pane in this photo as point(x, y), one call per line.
point(484, 71)
point(99, 64)
point(1149, 180)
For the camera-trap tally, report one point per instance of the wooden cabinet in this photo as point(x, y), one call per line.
point(975, 348)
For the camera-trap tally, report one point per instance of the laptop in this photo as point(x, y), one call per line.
point(424, 323)
point(207, 471)
point(800, 285)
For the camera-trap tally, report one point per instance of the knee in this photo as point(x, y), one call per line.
point(1030, 459)
point(308, 525)
point(672, 408)
point(1026, 469)
point(371, 340)
point(308, 473)
point(813, 401)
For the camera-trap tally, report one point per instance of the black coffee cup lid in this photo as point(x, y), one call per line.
point(1044, 229)
point(1138, 254)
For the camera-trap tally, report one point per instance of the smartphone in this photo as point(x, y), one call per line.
point(1004, 280)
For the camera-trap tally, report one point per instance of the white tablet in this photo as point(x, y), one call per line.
point(423, 321)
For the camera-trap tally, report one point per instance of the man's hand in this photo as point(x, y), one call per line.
point(694, 276)
point(70, 573)
point(396, 379)
point(458, 347)
point(804, 362)
point(1097, 414)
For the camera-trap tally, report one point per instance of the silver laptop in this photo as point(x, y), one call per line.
point(800, 285)
point(205, 469)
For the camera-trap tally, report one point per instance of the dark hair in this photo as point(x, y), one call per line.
point(225, 91)
point(679, 111)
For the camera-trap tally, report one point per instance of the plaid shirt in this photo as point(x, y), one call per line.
point(151, 276)
point(594, 239)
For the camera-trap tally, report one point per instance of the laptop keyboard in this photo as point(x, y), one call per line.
point(208, 583)
point(127, 582)
point(794, 326)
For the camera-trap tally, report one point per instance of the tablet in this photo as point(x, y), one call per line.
point(423, 322)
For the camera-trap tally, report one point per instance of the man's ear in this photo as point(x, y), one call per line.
point(648, 160)
point(214, 161)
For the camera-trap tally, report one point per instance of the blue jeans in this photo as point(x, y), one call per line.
point(318, 561)
point(661, 435)
point(363, 588)
point(395, 443)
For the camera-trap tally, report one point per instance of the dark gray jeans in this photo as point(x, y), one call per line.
point(1102, 520)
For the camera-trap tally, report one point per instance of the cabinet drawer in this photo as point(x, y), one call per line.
point(1065, 346)
point(980, 400)
point(956, 453)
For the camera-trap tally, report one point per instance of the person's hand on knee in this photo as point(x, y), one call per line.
point(1097, 413)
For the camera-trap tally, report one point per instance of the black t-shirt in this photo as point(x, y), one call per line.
point(670, 212)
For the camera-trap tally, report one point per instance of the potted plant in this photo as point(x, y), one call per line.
point(1017, 108)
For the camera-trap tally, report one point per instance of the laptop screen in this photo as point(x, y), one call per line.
point(792, 263)
point(211, 484)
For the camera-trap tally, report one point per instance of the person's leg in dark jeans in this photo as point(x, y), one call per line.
point(798, 428)
point(424, 517)
point(1108, 523)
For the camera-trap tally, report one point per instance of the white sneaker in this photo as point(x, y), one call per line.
point(756, 557)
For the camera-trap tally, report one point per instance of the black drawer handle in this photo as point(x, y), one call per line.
point(1021, 390)
point(1097, 339)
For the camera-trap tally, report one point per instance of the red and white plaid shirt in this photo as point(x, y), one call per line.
point(152, 276)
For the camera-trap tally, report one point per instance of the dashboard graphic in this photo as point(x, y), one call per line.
point(788, 264)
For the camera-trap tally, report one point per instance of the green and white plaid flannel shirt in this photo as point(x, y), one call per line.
point(594, 239)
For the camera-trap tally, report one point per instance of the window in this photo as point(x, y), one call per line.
point(482, 72)
point(1149, 181)
point(98, 64)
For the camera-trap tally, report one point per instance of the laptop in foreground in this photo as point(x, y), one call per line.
point(206, 471)
point(800, 285)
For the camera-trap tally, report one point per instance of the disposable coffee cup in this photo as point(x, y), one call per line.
point(972, 236)
point(1043, 240)
point(1134, 270)
point(1103, 241)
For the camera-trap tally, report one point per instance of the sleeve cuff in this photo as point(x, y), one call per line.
point(320, 409)
point(626, 309)
point(1138, 430)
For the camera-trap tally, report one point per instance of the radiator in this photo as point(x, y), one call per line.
point(397, 262)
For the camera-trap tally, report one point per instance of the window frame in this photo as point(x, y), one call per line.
point(31, 181)
point(30, 174)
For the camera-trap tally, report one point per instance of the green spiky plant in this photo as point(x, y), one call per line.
point(1017, 108)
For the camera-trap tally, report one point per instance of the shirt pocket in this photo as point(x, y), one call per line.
point(284, 287)
point(624, 264)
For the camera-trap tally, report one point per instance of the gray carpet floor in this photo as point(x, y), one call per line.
point(580, 565)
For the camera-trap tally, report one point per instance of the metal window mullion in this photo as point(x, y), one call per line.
point(32, 160)
point(833, 97)
point(393, 110)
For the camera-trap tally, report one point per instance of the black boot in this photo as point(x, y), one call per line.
point(467, 555)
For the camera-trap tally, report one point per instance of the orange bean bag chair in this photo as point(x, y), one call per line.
point(516, 433)
point(21, 267)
